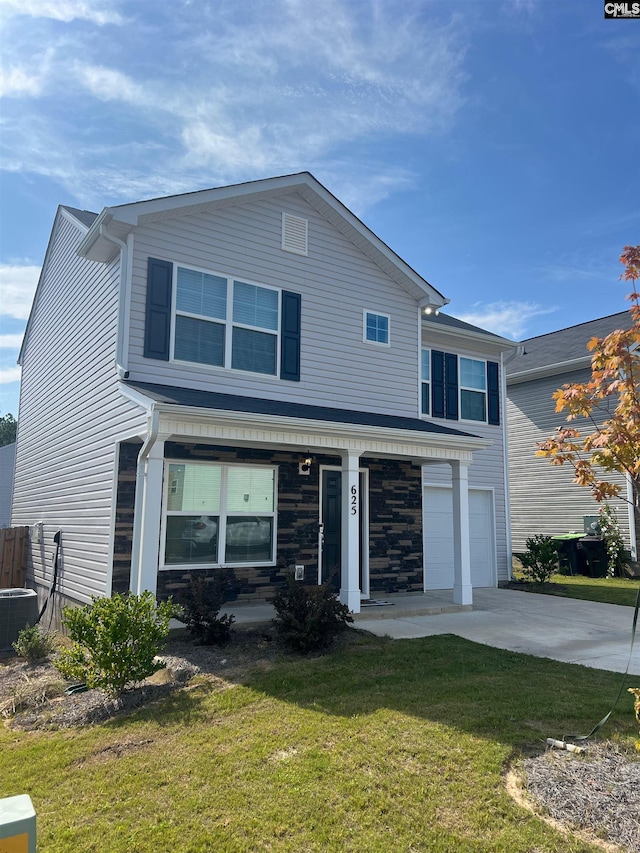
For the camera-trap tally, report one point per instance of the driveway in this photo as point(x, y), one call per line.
point(564, 629)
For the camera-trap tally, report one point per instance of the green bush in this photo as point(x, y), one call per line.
point(201, 606)
point(540, 560)
point(308, 617)
point(34, 643)
point(115, 640)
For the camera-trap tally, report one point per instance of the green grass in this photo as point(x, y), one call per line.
point(382, 745)
point(606, 590)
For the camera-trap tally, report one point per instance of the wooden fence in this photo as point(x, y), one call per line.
point(14, 542)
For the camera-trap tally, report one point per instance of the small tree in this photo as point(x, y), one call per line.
point(8, 429)
point(610, 401)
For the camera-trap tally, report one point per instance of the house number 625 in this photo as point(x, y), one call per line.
point(354, 500)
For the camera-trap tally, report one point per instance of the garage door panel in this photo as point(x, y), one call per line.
point(438, 538)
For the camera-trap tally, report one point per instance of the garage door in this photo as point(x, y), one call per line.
point(438, 538)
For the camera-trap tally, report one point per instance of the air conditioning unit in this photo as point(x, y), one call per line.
point(18, 607)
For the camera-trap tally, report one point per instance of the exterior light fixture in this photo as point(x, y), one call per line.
point(304, 466)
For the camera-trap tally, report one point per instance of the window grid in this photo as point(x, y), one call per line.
point(376, 328)
point(224, 322)
point(218, 520)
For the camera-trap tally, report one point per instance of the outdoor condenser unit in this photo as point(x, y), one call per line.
point(18, 607)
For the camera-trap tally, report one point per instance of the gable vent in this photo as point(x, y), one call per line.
point(294, 234)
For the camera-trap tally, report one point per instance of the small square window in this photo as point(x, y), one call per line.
point(376, 328)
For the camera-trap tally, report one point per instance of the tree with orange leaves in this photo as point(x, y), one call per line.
point(610, 401)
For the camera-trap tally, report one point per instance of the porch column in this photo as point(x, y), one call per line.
point(148, 510)
point(462, 591)
point(350, 573)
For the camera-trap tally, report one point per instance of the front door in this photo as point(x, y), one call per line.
point(331, 527)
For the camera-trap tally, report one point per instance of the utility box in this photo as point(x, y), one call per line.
point(18, 607)
point(17, 825)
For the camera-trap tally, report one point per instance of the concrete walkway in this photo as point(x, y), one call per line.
point(564, 629)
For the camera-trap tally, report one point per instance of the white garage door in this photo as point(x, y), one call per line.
point(438, 538)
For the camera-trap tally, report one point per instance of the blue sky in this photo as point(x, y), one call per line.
point(494, 145)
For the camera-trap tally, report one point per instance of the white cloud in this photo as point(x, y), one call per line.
point(16, 81)
point(9, 374)
point(243, 91)
point(97, 11)
point(10, 341)
point(17, 287)
point(508, 319)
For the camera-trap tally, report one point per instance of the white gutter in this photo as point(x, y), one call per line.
point(505, 445)
point(141, 496)
point(123, 301)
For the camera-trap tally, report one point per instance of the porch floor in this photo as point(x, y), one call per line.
point(387, 607)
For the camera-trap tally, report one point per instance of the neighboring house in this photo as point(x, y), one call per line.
point(246, 378)
point(7, 462)
point(544, 498)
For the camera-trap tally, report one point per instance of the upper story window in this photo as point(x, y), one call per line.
point(473, 389)
point(377, 328)
point(225, 322)
point(425, 381)
point(459, 388)
point(197, 316)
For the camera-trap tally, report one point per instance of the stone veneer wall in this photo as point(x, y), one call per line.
point(395, 524)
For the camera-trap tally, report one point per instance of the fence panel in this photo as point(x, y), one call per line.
point(14, 543)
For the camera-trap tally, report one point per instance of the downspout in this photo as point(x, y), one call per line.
point(121, 366)
point(141, 496)
point(505, 445)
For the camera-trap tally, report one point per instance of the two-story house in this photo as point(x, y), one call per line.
point(545, 498)
point(248, 378)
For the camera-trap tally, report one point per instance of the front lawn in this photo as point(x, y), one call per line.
point(382, 745)
point(605, 590)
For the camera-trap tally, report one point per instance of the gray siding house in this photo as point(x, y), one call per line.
point(247, 379)
point(544, 498)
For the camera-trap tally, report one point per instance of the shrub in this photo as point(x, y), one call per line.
point(540, 560)
point(115, 640)
point(636, 707)
point(201, 606)
point(34, 643)
point(612, 539)
point(308, 617)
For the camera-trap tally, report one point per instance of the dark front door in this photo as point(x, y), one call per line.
point(332, 527)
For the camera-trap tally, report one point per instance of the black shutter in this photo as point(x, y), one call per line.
point(437, 383)
point(493, 392)
point(451, 385)
point(157, 324)
point(290, 336)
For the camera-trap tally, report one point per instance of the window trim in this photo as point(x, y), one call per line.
point(228, 323)
point(223, 514)
point(460, 387)
point(365, 339)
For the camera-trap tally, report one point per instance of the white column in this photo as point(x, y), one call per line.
point(462, 591)
point(350, 572)
point(144, 572)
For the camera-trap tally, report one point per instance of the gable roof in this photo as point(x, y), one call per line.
point(86, 217)
point(122, 219)
point(452, 324)
point(564, 350)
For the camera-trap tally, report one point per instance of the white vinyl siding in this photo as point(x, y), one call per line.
point(544, 498)
point(72, 417)
point(335, 281)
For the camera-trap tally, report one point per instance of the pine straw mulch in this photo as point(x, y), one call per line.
point(595, 795)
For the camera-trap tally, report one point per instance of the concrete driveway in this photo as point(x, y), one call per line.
point(564, 629)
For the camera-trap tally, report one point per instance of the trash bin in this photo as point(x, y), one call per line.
point(596, 555)
point(571, 557)
point(17, 608)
